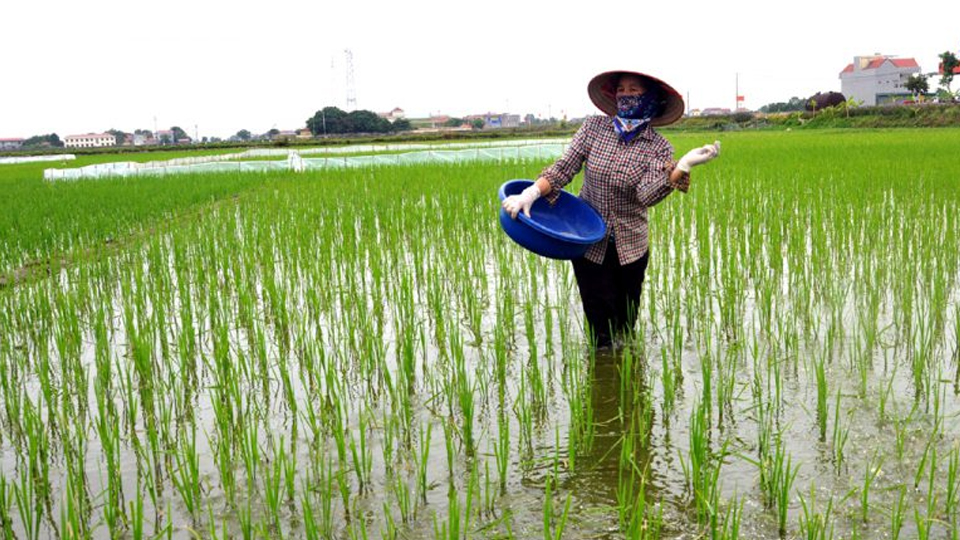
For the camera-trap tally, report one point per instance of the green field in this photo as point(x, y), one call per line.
point(364, 354)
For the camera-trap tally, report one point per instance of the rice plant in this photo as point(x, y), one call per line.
point(353, 352)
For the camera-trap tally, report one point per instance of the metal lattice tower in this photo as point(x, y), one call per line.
point(351, 84)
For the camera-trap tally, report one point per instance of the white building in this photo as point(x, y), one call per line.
point(394, 115)
point(90, 140)
point(11, 144)
point(496, 120)
point(878, 79)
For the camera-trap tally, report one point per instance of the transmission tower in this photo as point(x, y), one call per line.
point(351, 84)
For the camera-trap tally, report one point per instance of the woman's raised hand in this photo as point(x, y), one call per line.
point(515, 203)
point(699, 156)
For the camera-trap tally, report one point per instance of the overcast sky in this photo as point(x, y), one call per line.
point(89, 65)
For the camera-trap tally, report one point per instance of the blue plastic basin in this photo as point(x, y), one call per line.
point(564, 230)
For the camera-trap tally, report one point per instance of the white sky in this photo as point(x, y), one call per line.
point(90, 65)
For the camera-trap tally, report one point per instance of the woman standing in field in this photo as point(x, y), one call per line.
point(629, 168)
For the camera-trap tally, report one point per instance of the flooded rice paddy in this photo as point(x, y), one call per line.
point(364, 354)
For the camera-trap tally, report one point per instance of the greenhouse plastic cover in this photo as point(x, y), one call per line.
point(12, 160)
point(297, 163)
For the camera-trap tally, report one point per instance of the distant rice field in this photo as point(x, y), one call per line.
point(363, 353)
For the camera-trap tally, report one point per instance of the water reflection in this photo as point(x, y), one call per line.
point(622, 415)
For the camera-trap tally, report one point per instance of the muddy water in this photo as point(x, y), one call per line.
point(592, 485)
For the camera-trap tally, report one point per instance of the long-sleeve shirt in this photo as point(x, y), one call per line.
point(621, 180)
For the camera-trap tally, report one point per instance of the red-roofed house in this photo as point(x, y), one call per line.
point(11, 144)
point(878, 79)
point(394, 115)
point(956, 70)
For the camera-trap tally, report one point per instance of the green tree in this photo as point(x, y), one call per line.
point(402, 124)
point(453, 122)
point(43, 141)
point(179, 134)
point(331, 120)
point(364, 121)
point(243, 135)
point(794, 104)
point(273, 133)
point(917, 85)
point(948, 63)
point(118, 135)
point(851, 102)
point(327, 120)
point(822, 100)
point(477, 123)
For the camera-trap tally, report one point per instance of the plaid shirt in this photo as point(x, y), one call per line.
point(621, 181)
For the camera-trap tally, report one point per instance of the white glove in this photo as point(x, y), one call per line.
point(699, 156)
point(515, 203)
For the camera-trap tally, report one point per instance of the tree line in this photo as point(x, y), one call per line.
point(332, 120)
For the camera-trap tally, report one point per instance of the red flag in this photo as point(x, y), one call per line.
point(739, 98)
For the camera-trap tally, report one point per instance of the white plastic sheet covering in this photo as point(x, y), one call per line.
point(518, 153)
point(216, 163)
point(12, 160)
point(399, 147)
point(295, 162)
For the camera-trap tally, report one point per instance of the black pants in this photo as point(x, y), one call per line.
point(610, 293)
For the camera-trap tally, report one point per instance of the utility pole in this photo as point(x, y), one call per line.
point(351, 84)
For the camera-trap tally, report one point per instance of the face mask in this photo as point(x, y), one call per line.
point(634, 113)
point(642, 107)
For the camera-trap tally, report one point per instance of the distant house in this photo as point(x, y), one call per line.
point(394, 115)
point(496, 120)
point(715, 111)
point(142, 139)
point(439, 120)
point(284, 135)
point(166, 136)
point(956, 70)
point(878, 79)
point(304, 133)
point(90, 140)
point(11, 144)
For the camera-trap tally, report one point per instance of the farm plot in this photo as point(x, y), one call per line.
point(362, 353)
